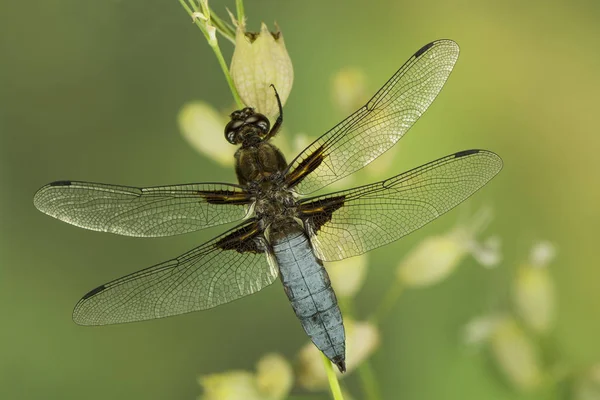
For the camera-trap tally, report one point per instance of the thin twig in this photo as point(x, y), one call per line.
point(334, 385)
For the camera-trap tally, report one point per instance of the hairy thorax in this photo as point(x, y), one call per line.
point(261, 167)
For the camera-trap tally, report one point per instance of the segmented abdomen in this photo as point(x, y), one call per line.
point(307, 285)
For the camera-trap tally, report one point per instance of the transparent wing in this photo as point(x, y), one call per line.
point(352, 222)
point(378, 125)
point(233, 265)
point(147, 212)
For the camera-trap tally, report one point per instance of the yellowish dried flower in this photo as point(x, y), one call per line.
point(431, 261)
point(534, 294)
point(259, 60)
point(233, 385)
point(202, 126)
point(274, 376)
point(516, 355)
point(436, 257)
point(362, 339)
point(272, 381)
point(347, 276)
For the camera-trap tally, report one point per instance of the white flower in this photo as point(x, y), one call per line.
point(480, 329)
point(516, 355)
point(272, 381)
point(436, 257)
point(362, 339)
point(260, 60)
point(202, 126)
point(347, 276)
point(542, 253)
point(534, 294)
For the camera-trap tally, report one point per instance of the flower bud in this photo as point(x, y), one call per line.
point(233, 385)
point(533, 291)
point(515, 354)
point(347, 276)
point(202, 126)
point(274, 376)
point(272, 381)
point(260, 60)
point(362, 339)
point(436, 257)
point(431, 261)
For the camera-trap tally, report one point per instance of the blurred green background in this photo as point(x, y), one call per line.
point(90, 91)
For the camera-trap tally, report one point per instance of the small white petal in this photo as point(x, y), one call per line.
point(212, 34)
point(198, 15)
point(480, 329)
point(487, 253)
point(542, 253)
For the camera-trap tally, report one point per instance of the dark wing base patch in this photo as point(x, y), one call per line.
point(320, 212)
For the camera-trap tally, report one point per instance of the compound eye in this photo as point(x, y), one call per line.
point(263, 124)
point(231, 130)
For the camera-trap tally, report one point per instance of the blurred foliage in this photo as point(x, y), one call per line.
point(93, 93)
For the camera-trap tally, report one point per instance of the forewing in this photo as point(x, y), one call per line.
point(145, 212)
point(352, 222)
point(233, 265)
point(378, 125)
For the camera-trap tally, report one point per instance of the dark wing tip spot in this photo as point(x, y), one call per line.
point(93, 292)
point(61, 183)
point(466, 153)
point(423, 49)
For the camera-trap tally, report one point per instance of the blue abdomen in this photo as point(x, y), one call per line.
point(307, 285)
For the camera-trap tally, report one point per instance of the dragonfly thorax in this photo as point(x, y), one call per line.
point(274, 203)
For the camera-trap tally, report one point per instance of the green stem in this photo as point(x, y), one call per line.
point(368, 381)
point(388, 302)
point(334, 385)
point(239, 10)
point(223, 27)
point(214, 44)
point(225, 68)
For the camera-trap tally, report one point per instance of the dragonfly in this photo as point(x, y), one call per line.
point(286, 230)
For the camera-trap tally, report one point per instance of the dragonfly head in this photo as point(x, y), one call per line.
point(244, 124)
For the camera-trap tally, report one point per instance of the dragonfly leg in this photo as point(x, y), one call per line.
point(279, 120)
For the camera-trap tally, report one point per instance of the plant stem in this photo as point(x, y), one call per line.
point(225, 68)
point(390, 298)
point(369, 383)
point(223, 27)
point(334, 385)
point(214, 44)
point(239, 10)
